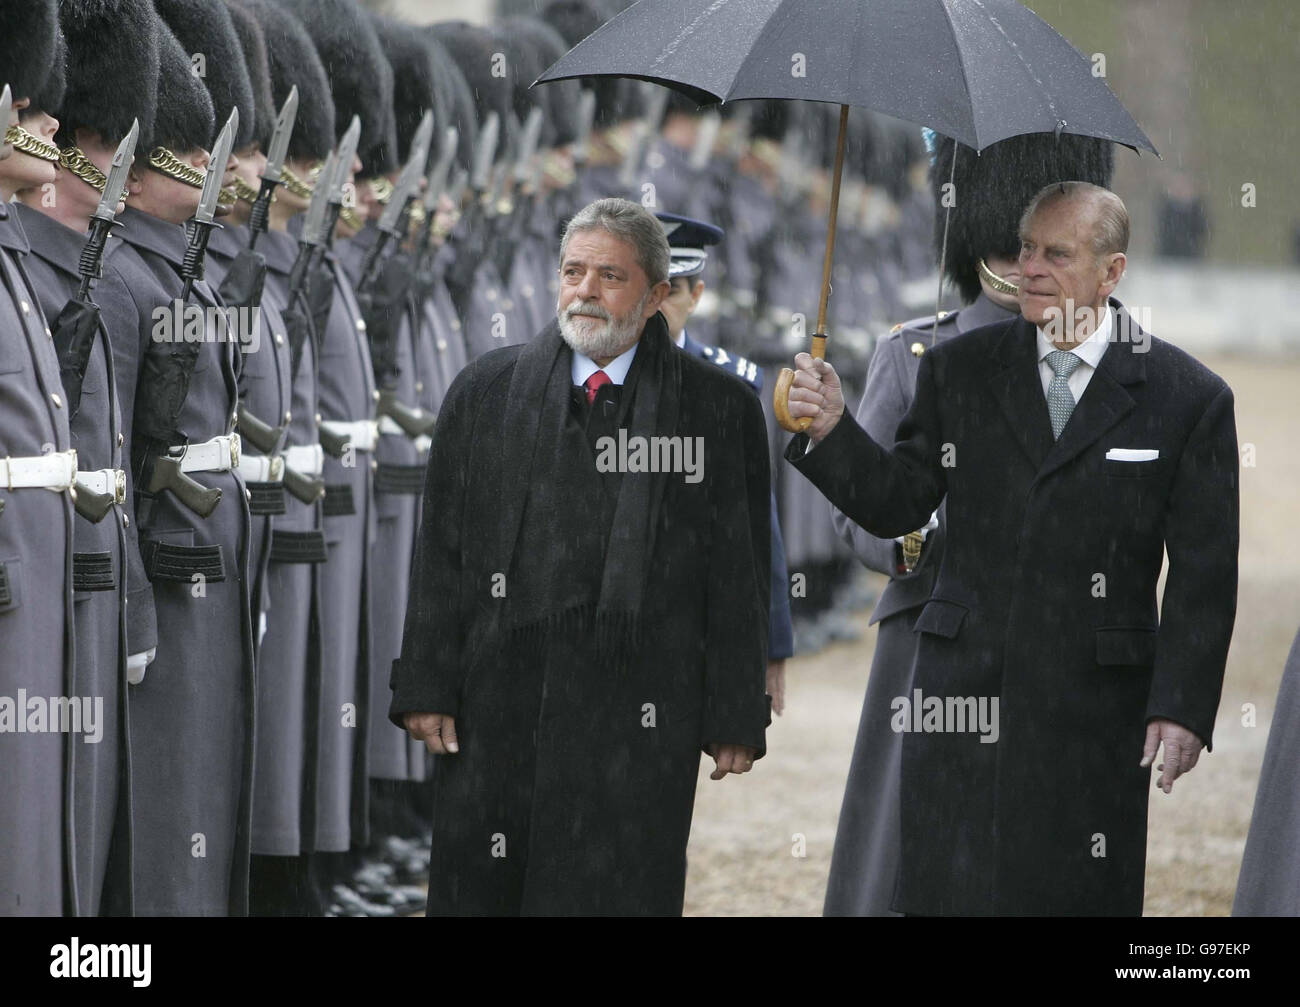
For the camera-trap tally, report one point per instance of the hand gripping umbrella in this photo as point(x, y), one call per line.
point(979, 71)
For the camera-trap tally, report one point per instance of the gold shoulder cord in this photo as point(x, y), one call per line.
point(31, 144)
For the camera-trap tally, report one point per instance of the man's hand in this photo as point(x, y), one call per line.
point(776, 685)
point(816, 392)
point(1182, 749)
point(436, 730)
point(731, 759)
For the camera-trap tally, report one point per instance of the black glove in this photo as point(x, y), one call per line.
point(74, 336)
point(242, 287)
point(319, 295)
point(382, 307)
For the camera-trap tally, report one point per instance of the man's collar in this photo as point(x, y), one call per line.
point(584, 367)
point(50, 239)
point(1091, 349)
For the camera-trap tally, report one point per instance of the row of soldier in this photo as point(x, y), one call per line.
point(223, 516)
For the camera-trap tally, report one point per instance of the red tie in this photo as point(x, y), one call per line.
point(597, 381)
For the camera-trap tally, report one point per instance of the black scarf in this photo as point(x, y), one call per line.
point(552, 570)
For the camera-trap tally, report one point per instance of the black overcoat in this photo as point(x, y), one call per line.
point(584, 779)
point(1046, 600)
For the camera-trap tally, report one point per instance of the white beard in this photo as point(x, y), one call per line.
point(595, 340)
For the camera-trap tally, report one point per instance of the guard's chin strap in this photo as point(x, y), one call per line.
point(75, 161)
point(163, 160)
point(242, 190)
point(294, 184)
point(995, 281)
point(29, 143)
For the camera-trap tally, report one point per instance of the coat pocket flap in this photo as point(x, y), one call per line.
point(1126, 645)
point(940, 617)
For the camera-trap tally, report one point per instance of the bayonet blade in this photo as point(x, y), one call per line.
point(107, 209)
point(217, 169)
point(586, 122)
point(706, 136)
point(6, 109)
point(280, 138)
point(437, 177)
point(408, 182)
point(485, 152)
point(347, 152)
point(532, 136)
point(313, 225)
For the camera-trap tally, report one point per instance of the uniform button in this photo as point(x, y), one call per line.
point(288, 416)
point(126, 521)
point(279, 339)
point(419, 386)
point(318, 417)
point(25, 306)
point(361, 325)
point(58, 402)
point(490, 293)
point(455, 325)
point(121, 438)
point(442, 345)
point(375, 395)
point(917, 349)
point(374, 465)
point(48, 333)
point(248, 495)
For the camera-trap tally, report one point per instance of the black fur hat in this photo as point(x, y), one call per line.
point(415, 89)
point(617, 100)
point(992, 190)
point(265, 110)
point(185, 120)
point(52, 92)
point(459, 100)
point(534, 47)
point(28, 38)
point(475, 50)
point(204, 28)
point(360, 78)
point(294, 61)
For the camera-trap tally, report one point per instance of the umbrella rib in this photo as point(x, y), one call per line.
point(961, 66)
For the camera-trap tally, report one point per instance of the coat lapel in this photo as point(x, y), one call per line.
point(1019, 391)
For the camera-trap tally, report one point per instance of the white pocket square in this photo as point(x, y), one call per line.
point(1132, 454)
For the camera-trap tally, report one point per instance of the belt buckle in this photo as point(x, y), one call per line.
point(119, 486)
point(234, 451)
point(275, 469)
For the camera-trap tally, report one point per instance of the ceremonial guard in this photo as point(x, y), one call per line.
point(192, 715)
point(37, 474)
point(114, 609)
point(981, 259)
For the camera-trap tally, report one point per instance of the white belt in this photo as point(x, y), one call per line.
point(221, 454)
point(306, 459)
point(363, 435)
point(261, 468)
point(104, 482)
point(423, 443)
point(55, 471)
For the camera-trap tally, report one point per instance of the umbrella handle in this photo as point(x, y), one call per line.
point(781, 393)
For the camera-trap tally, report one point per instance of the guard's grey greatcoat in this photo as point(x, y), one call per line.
point(1018, 826)
point(192, 716)
point(1269, 883)
point(284, 750)
point(36, 607)
point(106, 567)
point(393, 755)
point(346, 394)
point(864, 865)
point(286, 770)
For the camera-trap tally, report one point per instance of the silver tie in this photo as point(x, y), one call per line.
point(1060, 403)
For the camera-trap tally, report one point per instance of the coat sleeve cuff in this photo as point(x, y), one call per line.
point(738, 723)
point(141, 620)
point(419, 693)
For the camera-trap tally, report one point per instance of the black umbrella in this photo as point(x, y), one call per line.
point(979, 71)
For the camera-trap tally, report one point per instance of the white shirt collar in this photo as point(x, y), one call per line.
point(681, 340)
point(1091, 349)
point(584, 367)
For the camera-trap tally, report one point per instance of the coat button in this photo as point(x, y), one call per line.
point(442, 345)
point(279, 339)
point(25, 306)
point(374, 465)
point(48, 333)
point(917, 349)
point(375, 395)
point(419, 386)
point(361, 325)
point(121, 438)
point(288, 416)
point(58, 402)
point(318, 418)
point(455, 325)
point(126, 521)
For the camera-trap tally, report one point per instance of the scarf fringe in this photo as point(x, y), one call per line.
point(618, 635)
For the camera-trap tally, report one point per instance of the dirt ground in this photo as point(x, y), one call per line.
point(749, 831)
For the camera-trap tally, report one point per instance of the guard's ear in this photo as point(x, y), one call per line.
point(135, 178)
point(697, 291)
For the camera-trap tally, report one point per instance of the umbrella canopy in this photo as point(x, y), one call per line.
point(976, 70)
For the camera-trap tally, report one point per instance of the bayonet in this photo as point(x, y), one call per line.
point(6, 110)
point(485, 153)
point(336, 185)
point(705, 137)
point(586, 123)
point(271, 174)
point(404, 193)
point(528, 144)
point(436, 181)
point(91, 265)
point(656, 104)
point(313, 225)
point(204, 217)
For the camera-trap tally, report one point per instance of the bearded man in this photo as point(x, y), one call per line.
point(589, 597)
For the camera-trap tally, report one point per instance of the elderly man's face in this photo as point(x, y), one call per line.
point(605, 296)
point(1057, 264)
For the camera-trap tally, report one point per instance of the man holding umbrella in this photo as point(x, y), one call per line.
point(1073, 450)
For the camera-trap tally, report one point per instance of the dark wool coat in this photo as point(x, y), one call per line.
point(1046, 600)
point(573, 789)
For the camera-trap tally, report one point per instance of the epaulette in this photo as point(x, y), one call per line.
point(746, 370)
point(925, 321)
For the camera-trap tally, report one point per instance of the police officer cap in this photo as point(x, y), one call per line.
point(687, 241)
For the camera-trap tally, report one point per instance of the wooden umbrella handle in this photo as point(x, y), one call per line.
point(781, 394)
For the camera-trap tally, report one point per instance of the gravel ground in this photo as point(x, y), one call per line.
point(761, 844)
